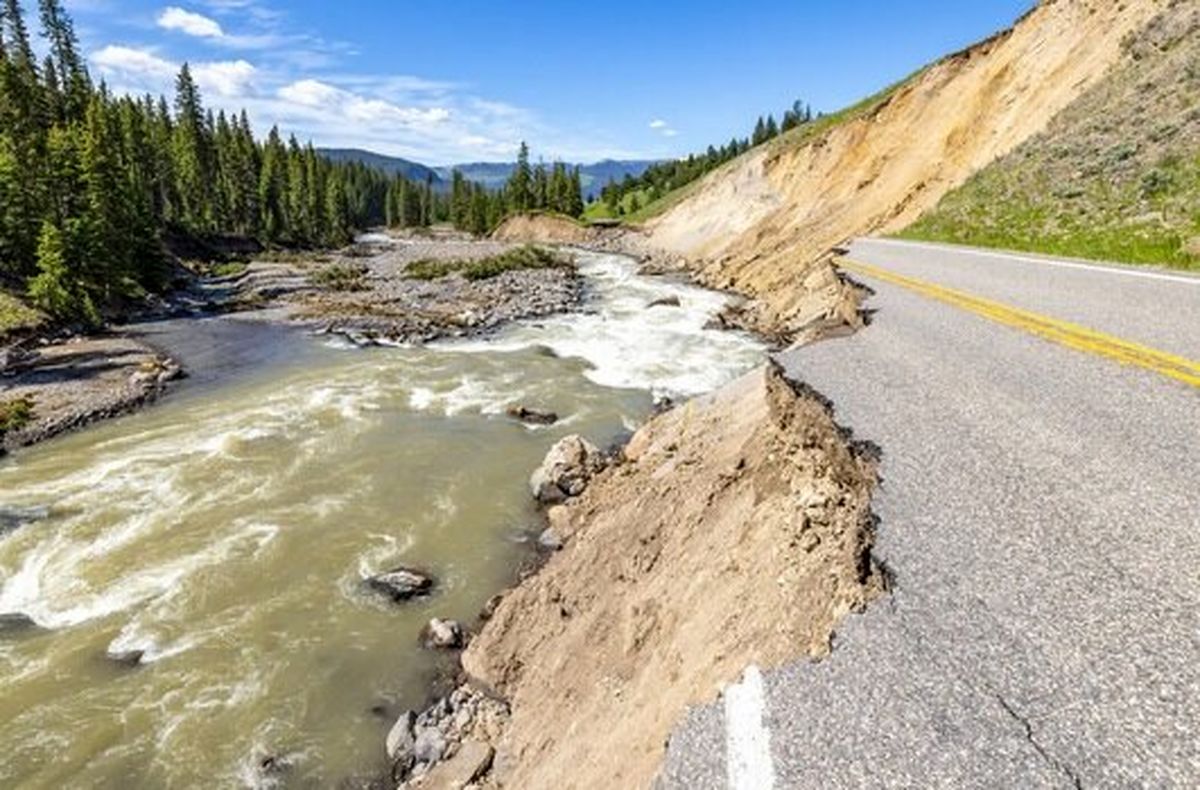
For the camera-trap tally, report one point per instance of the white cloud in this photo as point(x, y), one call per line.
point(193, 24)
point(133, 70)
point(663, 128)
point(227, 78)
point(310, 93)
point(427, 120)
point(128, 62)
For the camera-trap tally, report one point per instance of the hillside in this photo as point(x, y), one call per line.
point(762, 222)
point(1116, 176)
point(413, 171)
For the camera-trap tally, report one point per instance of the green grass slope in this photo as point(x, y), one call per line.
point(1116, 176)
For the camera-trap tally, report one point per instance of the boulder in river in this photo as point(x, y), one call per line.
point(12, 518)
point(126, 658)
point(12, 622)
point(402, 583)
point(532, 416)
point(400, 742)
point(566, 470)
point(439, 634)
point(665, 301)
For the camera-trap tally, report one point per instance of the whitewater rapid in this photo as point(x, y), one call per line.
point(224, 536)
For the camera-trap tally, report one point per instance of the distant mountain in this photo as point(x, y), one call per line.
point(413, 171)
point(593, 176)
point(490, 174)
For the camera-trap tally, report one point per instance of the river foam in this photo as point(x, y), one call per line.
point(628, 343)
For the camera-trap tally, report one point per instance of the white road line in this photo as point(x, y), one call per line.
point(747, 739)
point(956, 250)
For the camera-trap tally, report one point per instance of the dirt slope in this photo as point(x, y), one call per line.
point(758, 223)
point(737, 531)
point(543, 228)
point(1116, 176)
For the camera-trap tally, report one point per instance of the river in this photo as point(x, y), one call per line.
point(226, 533)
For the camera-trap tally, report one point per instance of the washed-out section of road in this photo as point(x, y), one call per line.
point(1039, 518)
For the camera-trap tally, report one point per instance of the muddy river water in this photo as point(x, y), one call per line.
point(225, 535)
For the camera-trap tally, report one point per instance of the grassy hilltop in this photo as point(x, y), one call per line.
point(1116, 176)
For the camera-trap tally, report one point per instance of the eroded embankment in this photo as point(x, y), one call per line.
point(762, 223)
point(735, 530)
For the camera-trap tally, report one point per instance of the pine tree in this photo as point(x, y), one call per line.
point(540, 187)
point(192, 155)
point(272, 186)
point(520, 184)
point(337, 221)
point(760, 132)
point(575, 205)
point(53, 289)
point(70, 74)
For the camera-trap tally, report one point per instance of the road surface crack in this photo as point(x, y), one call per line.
point(1050, 759)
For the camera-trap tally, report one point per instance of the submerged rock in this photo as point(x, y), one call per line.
point(402, 583)
point(12, 518)
point(11, 622)
point(566, 470)
point(441, 634)
point(666, 301)
point(126, 658)
point(532, 416)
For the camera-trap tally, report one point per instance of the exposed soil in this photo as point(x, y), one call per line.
point(546, 228)
point(1116, 176)
point(737, 530)
point(759, 224)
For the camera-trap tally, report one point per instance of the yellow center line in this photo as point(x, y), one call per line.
point(1064, 333)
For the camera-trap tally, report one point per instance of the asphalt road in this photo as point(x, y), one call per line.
point(1040, 514)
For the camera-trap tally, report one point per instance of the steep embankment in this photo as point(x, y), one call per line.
point(761, 223)
point(543, 228)
point(736, 531)
point(1116, 176)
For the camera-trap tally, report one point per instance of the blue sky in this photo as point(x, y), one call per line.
point(441, 81)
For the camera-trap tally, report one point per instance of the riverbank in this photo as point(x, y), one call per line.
point(60, 387)
point(818, 302)
point(365, 293)
point(731, 530)
point(251, 509)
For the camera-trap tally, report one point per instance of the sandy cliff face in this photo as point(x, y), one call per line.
point(738, 531)
point(758, 224)
point(543, 228)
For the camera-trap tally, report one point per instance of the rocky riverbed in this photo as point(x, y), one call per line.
point(368, 294)
point(363, 293)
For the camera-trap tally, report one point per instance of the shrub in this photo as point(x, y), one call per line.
point(15, 414)
point(341, 277)
point(526, 257)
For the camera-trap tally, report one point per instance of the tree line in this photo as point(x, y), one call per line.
point(91, 184)
point(631, 193)
point(474, 208)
